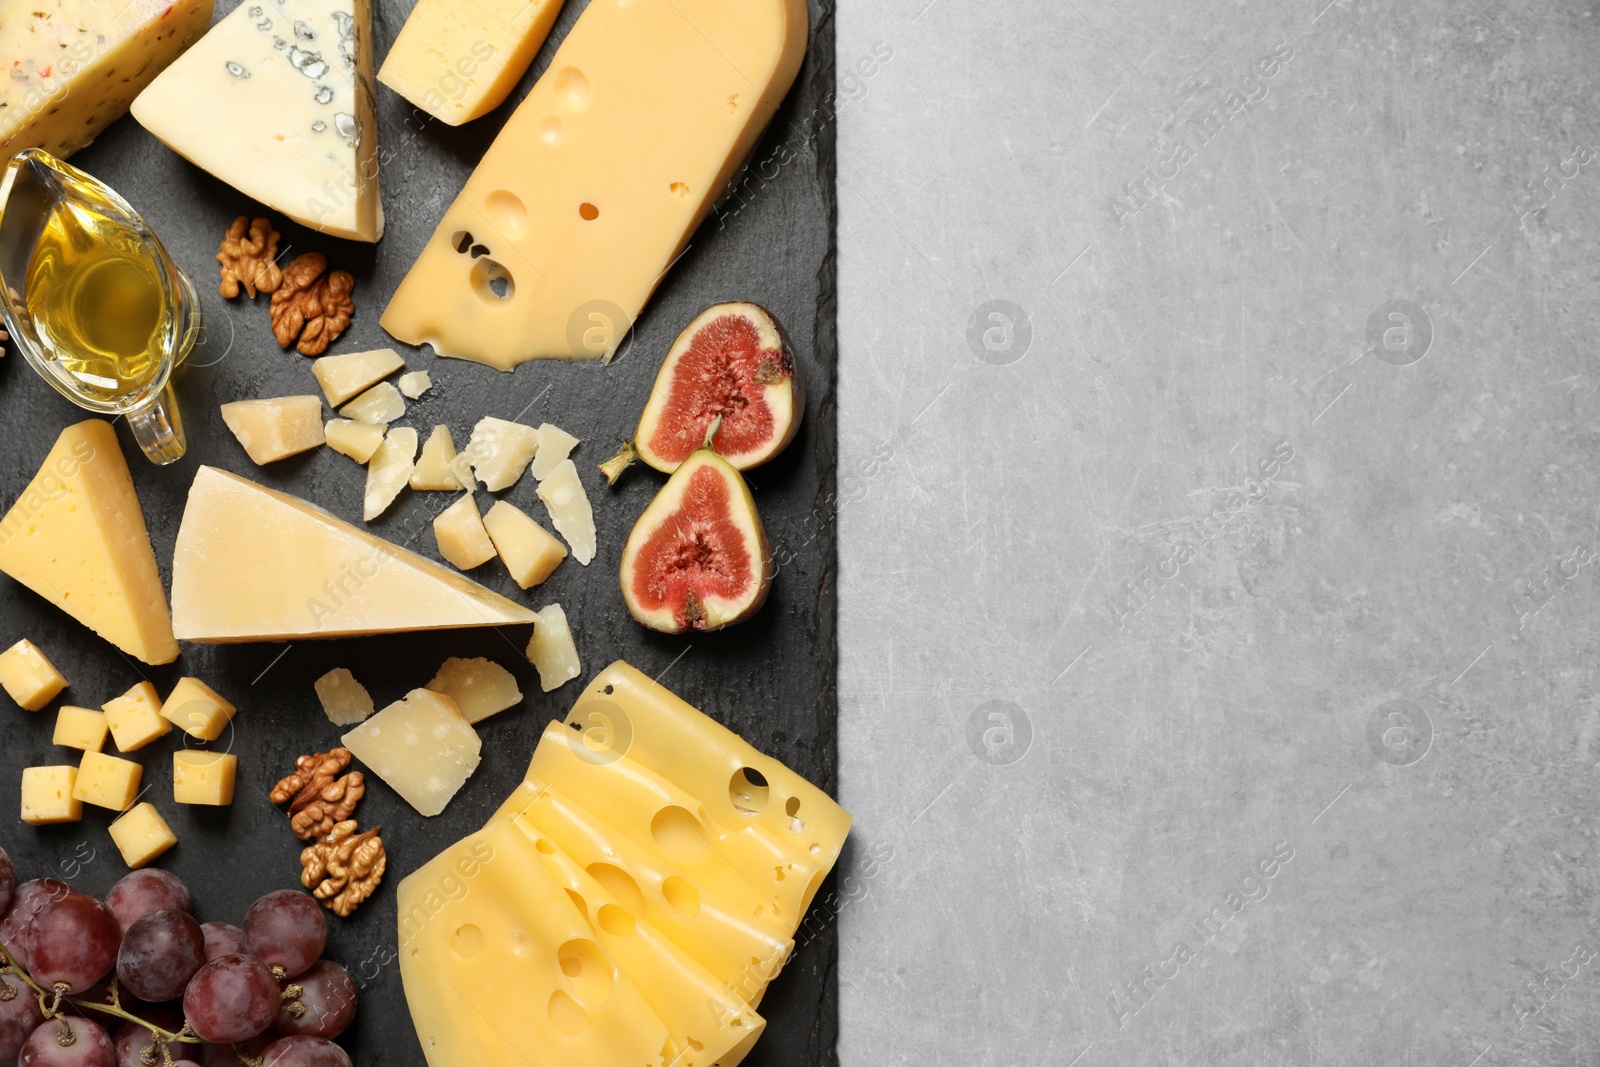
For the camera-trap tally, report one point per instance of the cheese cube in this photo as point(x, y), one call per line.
point(389, 471)
point(500, 451)
point(204, 777)
point(530, 552)
point(480, 687)
point(458, 61)
point(135, 718)
point(141, 835)
point(48, 796)
point(568, 504)
point(271, 430)
point(461, 536)
point(381, 403)
point(422, 746)
point(552, 650)
point(343, 377)
point(197, 709)
point(345, 701)
point(30, 679)
point(106, 781)
point(413, 385)
point(358, 440)
point(434, 469)
point(555, 445)
point(80, 728)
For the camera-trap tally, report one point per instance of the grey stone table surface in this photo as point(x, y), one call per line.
point(1218, 523)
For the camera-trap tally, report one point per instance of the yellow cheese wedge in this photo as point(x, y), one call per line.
point(253, 564)
point(458, 59)
point(75, 65)
point(76, 537)
point(502, 968)
point(597, 181)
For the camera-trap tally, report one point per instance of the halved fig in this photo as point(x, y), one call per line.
point(733, 363)
point(697, 559)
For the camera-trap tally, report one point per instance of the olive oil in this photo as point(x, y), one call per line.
point(95, 298)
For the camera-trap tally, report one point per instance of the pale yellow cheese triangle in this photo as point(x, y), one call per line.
point(77, 537)
point(254, 564)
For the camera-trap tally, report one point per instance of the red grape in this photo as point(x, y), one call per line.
point(140, 893)
point(159, 954)
point(222, 939)
point(19, 1017)
point(222, 1055)
point(8, 881)
point(286, 929)
point(326, 1004)
point(136, 1046)
point(232, 998)
point(73, 942)
point(68, 1041)
point(27, 902)
point(304, 1052)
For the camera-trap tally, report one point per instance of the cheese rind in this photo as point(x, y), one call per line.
point(76, 536)
point(253, 564)
point(135, 718)
point(28, 677)
point(270, 430)
point(76, 65)
point(596, 182)
point(422, 747)
point(459, 59)
point(347, 376)
point(277, 101)
point(48, 796)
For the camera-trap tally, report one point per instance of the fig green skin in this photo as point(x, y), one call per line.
point(662, 389)
point(761, 550)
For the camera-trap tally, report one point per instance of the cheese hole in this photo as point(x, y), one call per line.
point(544, 846)
point(749, 791)
point(566, 1015)
point(491, 281)
point(680, 835)
point(588, 212)
point(679, 190)
point(816, 850)
point(572, 87)
point(589, 973)
point(579, 903)
point(616, 881)
point(791, 808)
point(461, 240)
point(551, 130)
point(468, 941)
point(615, 921)
point(507, 213)
point(681, 896)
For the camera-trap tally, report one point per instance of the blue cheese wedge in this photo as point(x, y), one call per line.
point(74, 66)
point(277, 101)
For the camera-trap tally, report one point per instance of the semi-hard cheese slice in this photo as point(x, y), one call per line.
point(73, 66)
point(277, 101)
point(77, 537)
point(253, 564)
point(502, 969)
point(596, 182)
point(458, 59)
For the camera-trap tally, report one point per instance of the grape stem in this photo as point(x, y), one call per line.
point(50, 1001)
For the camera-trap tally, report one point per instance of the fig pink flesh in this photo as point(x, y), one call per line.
point(697, 553)
point(724, 372)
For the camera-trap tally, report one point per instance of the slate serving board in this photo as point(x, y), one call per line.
point(771, 679)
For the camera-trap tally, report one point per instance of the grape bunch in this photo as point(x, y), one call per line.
point(113, 983)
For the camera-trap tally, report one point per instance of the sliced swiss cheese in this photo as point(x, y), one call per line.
point(458, 59)
point(254, 564)
point(77, 537)
point(277, 101)
point(501, 967)
point(597, 181)
point(73, 66)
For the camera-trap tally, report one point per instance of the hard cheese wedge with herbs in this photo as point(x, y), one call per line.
point(596, 182)
point(254, 564)
point(630, 901)
point(277, 101)
point(75, 65)
point(77, 537)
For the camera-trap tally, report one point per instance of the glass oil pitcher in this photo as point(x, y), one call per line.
point(92, 300)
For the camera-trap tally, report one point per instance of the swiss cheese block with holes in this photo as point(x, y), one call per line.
point(713, 919)
point(502, 965)
point(596, 182)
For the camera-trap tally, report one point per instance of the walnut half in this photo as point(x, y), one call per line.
point(344, 868)
point(317, 796)
point(313, 306)
point(248, 257)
